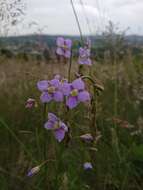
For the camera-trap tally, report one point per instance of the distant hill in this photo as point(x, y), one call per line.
point(50, 40)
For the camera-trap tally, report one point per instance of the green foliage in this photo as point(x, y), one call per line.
point(118, 161)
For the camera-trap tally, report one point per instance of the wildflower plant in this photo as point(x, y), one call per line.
point(64, 47)
point(70, 94)
point(57, 126)
point(77, 93)
point(85, 53)
point(51, 90)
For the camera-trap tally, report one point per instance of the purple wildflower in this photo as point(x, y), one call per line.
point(88, 43)
point(30, 103)
point(84, 53)
point(64, 47)
point(87, 137)
point(84, 56)
point(87, 166)
point(76, 93)
point(33, 171)
point(50, 90)
point(57, 126)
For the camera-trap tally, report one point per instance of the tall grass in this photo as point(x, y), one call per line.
point(118, 158)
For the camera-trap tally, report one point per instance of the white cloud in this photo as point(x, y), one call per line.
point(58, 17)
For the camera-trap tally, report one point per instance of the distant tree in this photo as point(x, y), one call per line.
point(114, 41)
point(7, 53)
point(46, 55)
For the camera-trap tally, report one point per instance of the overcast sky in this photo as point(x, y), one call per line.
point(56, 16)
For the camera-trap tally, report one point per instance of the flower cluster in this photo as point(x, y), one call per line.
point(61, 90)
point(84, 54)
point(57, 88)
point(64, 47)
point(57, 126)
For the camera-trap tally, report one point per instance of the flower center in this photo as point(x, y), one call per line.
point(51, 89)
point(74, 92)
point(63, 80)
point(64, 47)
point(56, 125)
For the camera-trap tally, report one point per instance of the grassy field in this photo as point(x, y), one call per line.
point(117, 157)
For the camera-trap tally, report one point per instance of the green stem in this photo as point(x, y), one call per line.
point(77, 20)
point(80, 69)
point(38, 140)
point(44, 112)
point(45, 144)
point(96, 88)
point(69, 69)
point(18, 140)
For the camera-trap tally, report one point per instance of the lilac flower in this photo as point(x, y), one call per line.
point(30, 103)
point(33, 171)
point(87, 137)
point(57, 126)
point(50, 90)
point(87, 166)
point(64, 47)
point(88, 43)
point(76, 93)
point(84, 56)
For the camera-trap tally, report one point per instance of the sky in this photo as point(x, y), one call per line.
point(56, 16)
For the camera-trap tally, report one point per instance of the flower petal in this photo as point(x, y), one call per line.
point(42, 85)
point(68, 43)
point(34, 171)
point(52, 117)
point(84, 61)
point(67, 53)
point(83, 96)
point(72, 102)
point(55, 83)
point(60, 51)
point(64, 126)
point(87, 166)
point(66, 88)
point(87, 137)
point(78, 84)
point(60, 41)
point(49, 125)
point(58, 96)
point(59, 134)
point(88, 43)
point(45, 97)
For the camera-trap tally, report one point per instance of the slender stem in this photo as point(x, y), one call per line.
point(68, 137)
point(80, 68)
point(69, 69)
point(96, 88)
point(18, 140)
point(115, 91)
point(46, 161)
point(77, 20)
point(44, 112)
point(38, 140)
point(94, 82)
point(45, 144)
point(94, 113)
